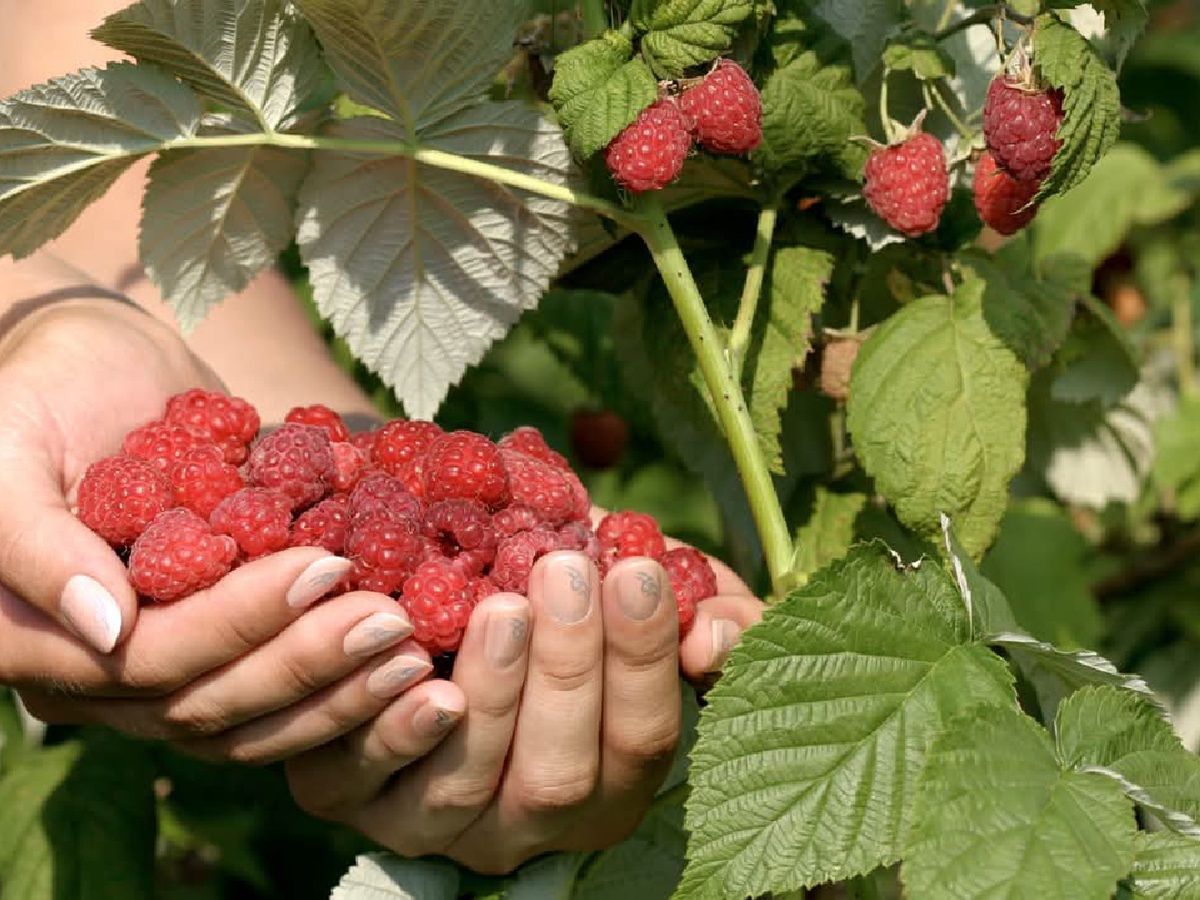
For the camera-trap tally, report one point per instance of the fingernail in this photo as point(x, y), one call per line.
point(432, 721)
point(507, 635)
point(375, 633)
point(92, 612)
point(725, 634)
point(315, 581)
point(395, 675)
point(567, 587)
point(639, 590)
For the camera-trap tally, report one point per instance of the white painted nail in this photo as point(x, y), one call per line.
point(395, 675)
point(725, 634)
point(315, 581)
point(375, 633)
point(91, 611)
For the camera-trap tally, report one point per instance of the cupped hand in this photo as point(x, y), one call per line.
point(572, 719)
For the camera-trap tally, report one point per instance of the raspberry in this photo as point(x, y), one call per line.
point(462, 531)
point(598, 437)
point(385, 548)
point(365, 442)
point(579, 536)
point(1020, 125)
point(438, 601)
point(202, 478)
point(229, 422)
point(259, 519)
point(515, 519)
point(529, 441)
point(324, 525)
point(624, 534)
point(725, 110)
point(380, 492)
point(464, 465)
point(119, 496)
point(649, 154)
point(295, 459)
point(516, 555)
point(1003, 202)
point(323, 417)
point(540, 487)
point(692, 580)
point(400, 448)
point(481, 588)
point(160, 443)
point(177, 555)
point(349, 464)
point(907, 184)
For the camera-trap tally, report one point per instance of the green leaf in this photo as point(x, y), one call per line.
point(999, 816)
point(420, 269)
point(646, 865)
point(679, 34)
point(1166, 866)
point(811, 743)
point(1091, 106)
point(257, 58)
point(598, 91)
point(986, 604)
point(385, 876)
point(63, 144)
point(937, 413)
point(1124, 21)
point(810, 112)
point(79, 821)
point(919, 53)
point(1097, 362)
point(864, 25)
point(827, 534)
point(213, 219)
point(12, 730)
point(1177, 463)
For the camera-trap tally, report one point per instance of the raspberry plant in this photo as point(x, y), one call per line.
point(917, 708)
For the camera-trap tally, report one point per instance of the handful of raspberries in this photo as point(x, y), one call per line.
point(439, 520)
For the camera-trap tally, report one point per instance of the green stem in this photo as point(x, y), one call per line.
point(595, 18)
point(436, 158)
point(889, 128)
point(933, 92)
point(982, 16)
point(1183, 337)
point(739, 338)
point(725, 390)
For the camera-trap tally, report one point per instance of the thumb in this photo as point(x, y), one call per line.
point(719, 624)
point(53, 561)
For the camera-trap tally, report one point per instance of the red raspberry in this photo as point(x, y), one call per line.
point(202, 478)
point(324, 525)
point(119, 496)
point(529, 440)
point(349, 464)
point(439, 603)
point(321, 416)
point(462, 531)
point(259, 519)
point(515, 519)
point(160, 443)
point(539, 487)
point(229, 422)
point(725, 110)
point(624, 534)
point(380, 492)
point(177, 555)
point(1001, 201)
point(481, 588)
point(649, 154)
point(400, 449)
point(579, 536)
point(1021, 125)
point(598, 437)
point(365, 442)
point(907, 184)
point(465, 465)
point(516, 555)
point(692, 580)
point(295, 459)
point(385, 548)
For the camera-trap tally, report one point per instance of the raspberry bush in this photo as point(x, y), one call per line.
point(887, 304)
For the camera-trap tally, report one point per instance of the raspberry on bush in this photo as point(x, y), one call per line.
point(119, 496)
point(177, 555)
point(1020, 125)
point(907, 184)
point(1004, 203)
point(724, 110)
point(649, 154)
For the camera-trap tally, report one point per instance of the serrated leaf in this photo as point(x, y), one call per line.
point(420, 269)
point(419, 61)
point(1091, 104)
point(679, 34)
point(919, 53)
point(63, 144)
point(598, 91)
point(827, 534)
point(1177, 462)
point(999, 816)
point(213, 219)
point(79, 821)
point(385, 876)
point(810, 112)
point(257, 58)
point(1097, 362)
point(812, 741)
point(937, 413)
point(1166, 866)
point(864, 26)
point(1124, 21)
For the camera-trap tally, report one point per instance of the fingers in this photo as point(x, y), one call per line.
point(718, 626)
point(336, 777)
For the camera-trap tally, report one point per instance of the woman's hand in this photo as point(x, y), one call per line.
point(572, 719)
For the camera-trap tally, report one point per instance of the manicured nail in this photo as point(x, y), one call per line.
point(432, 721)
point(375, 633)
point(639, 590)
point(507, 634)
point(567, 586)
point(315, 581)
point(725, 634)
point(92, 612)
point(395, 675)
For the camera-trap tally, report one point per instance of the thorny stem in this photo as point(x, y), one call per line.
point(982, 16)
point(739, 338)
point(725, 389)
